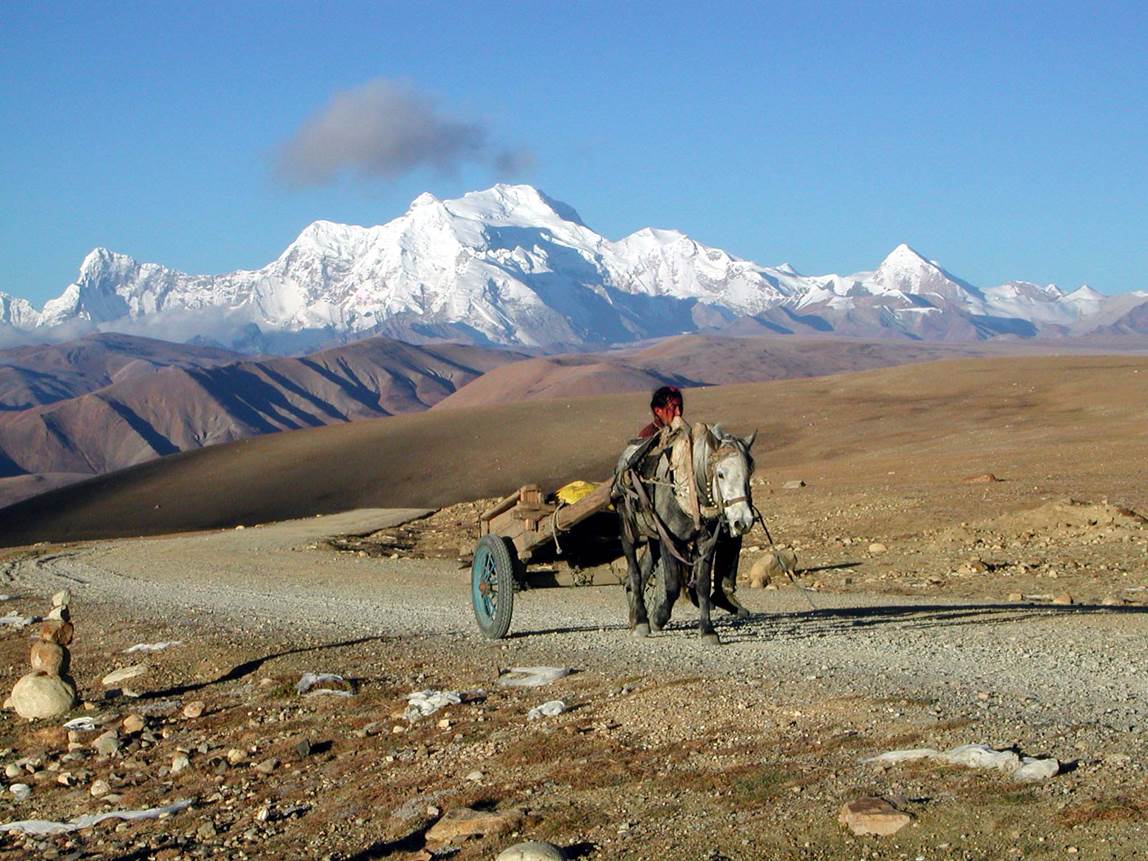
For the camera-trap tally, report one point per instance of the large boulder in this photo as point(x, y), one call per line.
point(39, 695)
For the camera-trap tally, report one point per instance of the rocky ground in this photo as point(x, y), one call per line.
point(666, 748)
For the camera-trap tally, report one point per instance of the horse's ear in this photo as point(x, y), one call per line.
point(748, 441)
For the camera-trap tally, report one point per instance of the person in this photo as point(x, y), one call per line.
point(666, 405)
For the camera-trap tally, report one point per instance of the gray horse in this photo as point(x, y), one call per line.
point(651, 512)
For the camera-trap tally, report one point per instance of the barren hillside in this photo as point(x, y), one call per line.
point(919, 429)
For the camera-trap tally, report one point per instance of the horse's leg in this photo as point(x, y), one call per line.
point(671, 587)
point(639, 623)
point(649, 563)
point(702, 572)
point(726, 557)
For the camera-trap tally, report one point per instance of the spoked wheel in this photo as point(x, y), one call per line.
point(492, 585)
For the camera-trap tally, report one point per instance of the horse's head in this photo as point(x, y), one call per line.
point(729, 469)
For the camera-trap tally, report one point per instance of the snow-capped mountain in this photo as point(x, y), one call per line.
point(509, 265)
point(18, 313)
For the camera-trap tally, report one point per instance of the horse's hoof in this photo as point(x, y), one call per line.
point(641, 630)
point(655, 626)
point(742, 613)
point(711, 639)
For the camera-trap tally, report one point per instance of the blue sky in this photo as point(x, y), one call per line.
point(1004, 140)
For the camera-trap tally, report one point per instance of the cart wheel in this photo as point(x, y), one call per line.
point(492, 585)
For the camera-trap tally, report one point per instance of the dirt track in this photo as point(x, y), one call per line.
point(885, 670)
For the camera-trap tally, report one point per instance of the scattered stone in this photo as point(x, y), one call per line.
point(323, 683)
point(152, 647)
point(99, 788)
point(893, 757)
point(547, 709)
point(107, 744)
point(1062, 598)
point(796, 484)
point(43, 827)
point(1036, 769)
point(977, 756)
point(267, 766)
point(12, 770)
point(531, 850)
point(62, 598)
point(463, 822)
point(132, 724)
point(531, 677)
point(193, 709)
point(20, 791)
point(1015, 597)
point(236, 756)
point(123, 674)
point(370, 729)
point(475, 776)
point(873, 816)
point(877, 548)
point(982, 756)
point(303, 748)
point(424, 703)
point(179, 763)
point(981, 478)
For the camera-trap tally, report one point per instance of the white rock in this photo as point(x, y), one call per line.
point(531, 850)
point(100, 788)
point(328, 683)
point(424, 703)
point(1036, 769)
point(982, 756)
point(179, 763)
point(62, 598)
point(152, 647)
point(20, 791)
point(893, 757)
point(532, 677)
point(123, 674)
point(547, 709)
point(38, 695)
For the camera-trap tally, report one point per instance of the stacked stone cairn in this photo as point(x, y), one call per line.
point(48, 691)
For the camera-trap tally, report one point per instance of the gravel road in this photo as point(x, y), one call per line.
point(1019, 670)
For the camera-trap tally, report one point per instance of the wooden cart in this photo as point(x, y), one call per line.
point(510, 533)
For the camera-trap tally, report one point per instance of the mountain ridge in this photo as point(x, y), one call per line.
point(512, 266)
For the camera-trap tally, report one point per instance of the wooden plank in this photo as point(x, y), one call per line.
point(503, 505)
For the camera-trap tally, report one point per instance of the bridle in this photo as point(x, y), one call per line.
point(710, 496)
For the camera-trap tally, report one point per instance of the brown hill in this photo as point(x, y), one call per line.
point(187, 407)
point(693, 361)
point(1082, 418)
point(47, 373)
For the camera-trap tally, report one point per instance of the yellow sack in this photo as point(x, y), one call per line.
point(574, 491)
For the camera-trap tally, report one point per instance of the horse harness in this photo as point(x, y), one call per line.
point(706, 508)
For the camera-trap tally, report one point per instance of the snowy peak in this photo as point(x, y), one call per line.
point(519, 205)
point(511, 265)
point(906, 272)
